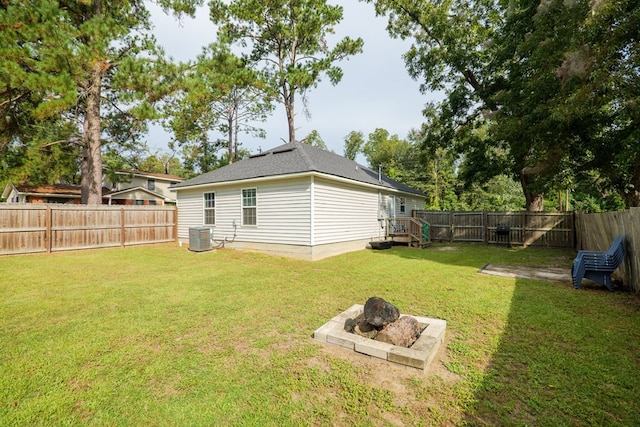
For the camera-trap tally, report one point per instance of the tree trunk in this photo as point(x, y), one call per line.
point(230, 138)
point(534, 199)
point(289, 107)
point(91, 168)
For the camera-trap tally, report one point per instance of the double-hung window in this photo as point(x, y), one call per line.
point(209, 208)
point(403, 205)
point(249, 206)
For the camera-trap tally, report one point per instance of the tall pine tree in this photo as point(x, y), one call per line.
point(92, 63)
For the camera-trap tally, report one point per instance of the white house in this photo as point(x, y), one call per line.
point(294, 200)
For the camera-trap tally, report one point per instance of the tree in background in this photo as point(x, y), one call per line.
point(219, 94)
point(37, 157)
point(386, 152)
point(543, 91)
point(81, 62)
point(289, 38)
point(315, 140)
point(353, 144)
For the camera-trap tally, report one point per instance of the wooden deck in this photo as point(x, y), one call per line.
point(412, 231)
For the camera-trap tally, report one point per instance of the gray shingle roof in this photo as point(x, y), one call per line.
point(292, 158)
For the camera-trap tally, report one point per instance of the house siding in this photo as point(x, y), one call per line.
point(161, 186)
point(283, 212)
point(344, 212)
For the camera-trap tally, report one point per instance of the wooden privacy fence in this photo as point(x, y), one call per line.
point(29, 228)
point(596, 231)
point(520, 228)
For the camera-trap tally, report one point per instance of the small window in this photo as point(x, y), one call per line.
point(403, 205)
point(249, 206)
point(209, 208)
point(151, 184)
point(139, 202)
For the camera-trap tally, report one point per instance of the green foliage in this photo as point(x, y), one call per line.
point(90, 65)
point(315, 140)
point(353, 144)
point(500, 193)
point(50, 155)
point(553, 85)
point(385, 151)
point(218, 97)
point(288, 39)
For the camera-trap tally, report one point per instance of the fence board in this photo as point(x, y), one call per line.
point(552, 229)
point(468, 226)
point(29, 228)
point(596, 231)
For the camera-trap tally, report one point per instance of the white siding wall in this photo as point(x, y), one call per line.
point(190, 212)
point(283, 212)
point(411, 204)
point(161, 185)
point(344, 212)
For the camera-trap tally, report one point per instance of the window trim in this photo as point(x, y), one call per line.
point(254, 207)
point(206, 208)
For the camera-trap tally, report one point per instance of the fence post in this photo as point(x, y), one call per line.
point(175, 224)
point(122, 228)
point(572, 227)
point(47, 232)
point(485, 227)
point(450, 226)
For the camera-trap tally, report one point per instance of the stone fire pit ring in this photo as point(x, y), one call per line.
point(419, 355)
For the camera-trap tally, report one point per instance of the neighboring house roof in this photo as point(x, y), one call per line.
point(116, 194)
point(296, 158)
point(53, 190)
point(164, 176)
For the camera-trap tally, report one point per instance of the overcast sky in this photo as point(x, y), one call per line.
point(375, 91)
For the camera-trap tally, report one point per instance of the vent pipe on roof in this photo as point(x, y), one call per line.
point(380, 174)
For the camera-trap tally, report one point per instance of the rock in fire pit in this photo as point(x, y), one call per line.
point(381, 321)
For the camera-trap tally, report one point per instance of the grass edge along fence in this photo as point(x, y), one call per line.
point(550, 229)
point(31, 228)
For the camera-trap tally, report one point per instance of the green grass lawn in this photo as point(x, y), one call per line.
point(157, 335)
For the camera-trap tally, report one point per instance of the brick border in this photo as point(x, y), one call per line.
point(419, 355)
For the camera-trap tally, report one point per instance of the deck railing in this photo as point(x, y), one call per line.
point(413, 231)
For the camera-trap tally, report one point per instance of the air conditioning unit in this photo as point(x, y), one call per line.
point(200, 239)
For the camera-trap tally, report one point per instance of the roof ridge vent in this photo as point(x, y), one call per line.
point(283, 150)
point(253, 156)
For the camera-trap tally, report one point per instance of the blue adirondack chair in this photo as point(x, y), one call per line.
point(597, 265)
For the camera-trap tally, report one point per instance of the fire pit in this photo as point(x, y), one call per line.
point(419, 355)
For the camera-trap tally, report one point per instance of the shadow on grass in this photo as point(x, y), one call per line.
point(561, 356)
point(566, 357)
point(482, 253)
